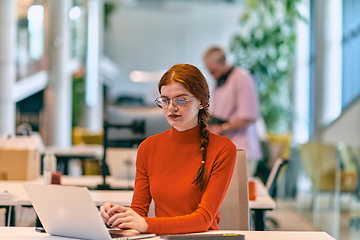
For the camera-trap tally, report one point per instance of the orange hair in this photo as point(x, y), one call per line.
point(194, 81)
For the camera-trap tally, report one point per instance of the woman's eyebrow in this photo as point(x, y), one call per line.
point(180, 95)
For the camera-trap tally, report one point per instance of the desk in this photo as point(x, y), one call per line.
point(21, 198)
point(78, 151)
point(259, 206)
point(99, 197)
point(83, 151)
point(23, 233)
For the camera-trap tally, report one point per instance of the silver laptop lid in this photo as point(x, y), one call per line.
point(67, 211)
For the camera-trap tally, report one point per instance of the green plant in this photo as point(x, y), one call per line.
point(109, 8)
point(78, 99)
point(266, 47)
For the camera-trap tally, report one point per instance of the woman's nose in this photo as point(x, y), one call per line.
point(172, 106)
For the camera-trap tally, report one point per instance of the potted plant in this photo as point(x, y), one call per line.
point(266, 47)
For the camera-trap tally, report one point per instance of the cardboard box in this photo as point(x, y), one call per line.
point(19, 158)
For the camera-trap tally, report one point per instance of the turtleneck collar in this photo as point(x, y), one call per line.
point(188, 136)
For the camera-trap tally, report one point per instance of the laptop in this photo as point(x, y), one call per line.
point(69, 211)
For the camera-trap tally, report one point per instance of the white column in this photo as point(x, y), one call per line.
point(328, 32)
point(331, 89)
point(93, 86)
point(7, 65)
point(60, 80)
point(332, 61)
point(319, 18)
point(300, 98)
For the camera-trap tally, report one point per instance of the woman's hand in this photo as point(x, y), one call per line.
point(122, 217)
point(104, 209)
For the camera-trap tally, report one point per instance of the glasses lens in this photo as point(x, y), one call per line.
point(179, 102)
point(158, 102)
point(162, 102)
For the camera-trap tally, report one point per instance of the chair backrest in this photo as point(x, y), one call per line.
point(320, 163)
point(350, 168)
point(121, 162)
point(356, 155)
point(280, 147)
point(234, 210)
point(274, 175)
point(347, 157)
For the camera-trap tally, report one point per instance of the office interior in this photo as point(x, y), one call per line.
point(67, 67)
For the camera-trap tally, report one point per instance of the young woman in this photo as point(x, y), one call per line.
point(186, 170)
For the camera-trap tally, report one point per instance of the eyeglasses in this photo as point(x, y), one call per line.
point(178, 102)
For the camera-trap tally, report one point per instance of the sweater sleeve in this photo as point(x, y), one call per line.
point(142, 197)
point(220, 173)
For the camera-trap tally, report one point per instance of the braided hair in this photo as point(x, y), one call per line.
point(194, 81)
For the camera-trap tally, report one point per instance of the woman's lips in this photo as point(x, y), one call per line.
point(173, 116)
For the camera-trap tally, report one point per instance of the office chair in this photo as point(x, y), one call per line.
point(272, 180)
point(273, 147)
point(356, 155)
point(350, 163)
point(137, 126)
point(321, 161)
point(234, 210)
point(274, 174)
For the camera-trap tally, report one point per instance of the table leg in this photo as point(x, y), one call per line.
point(38, 222)
point(11, 210)
point(259, 219)
point(63, 163)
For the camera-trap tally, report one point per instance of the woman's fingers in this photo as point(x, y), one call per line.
point(116, 219)
point(124, 222)
point(128, 223)
point(128, 219)
point(116, 209)
point(103, 214)
point(107, 206)
point(108, 210)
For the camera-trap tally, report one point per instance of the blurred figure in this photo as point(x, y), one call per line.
point(234, 106)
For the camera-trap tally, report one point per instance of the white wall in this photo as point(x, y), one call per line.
point(156, 38)
point(346, 128)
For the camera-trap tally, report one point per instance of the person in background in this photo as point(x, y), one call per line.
point(185, 170)
point(234, 107)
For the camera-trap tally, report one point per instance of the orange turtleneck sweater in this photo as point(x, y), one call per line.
point(165, 168)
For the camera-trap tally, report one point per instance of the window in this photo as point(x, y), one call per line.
point(351, 52)
point(312, 71)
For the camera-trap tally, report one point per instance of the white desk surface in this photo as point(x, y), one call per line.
point(93, 150)
point(262, 201)
point(23, 233)
point(99, 197)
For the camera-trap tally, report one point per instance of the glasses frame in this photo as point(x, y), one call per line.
point(172, 102)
